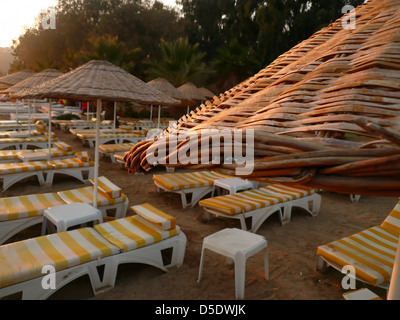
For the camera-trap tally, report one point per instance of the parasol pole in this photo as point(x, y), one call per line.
point(96, 156)
point(29, 117)
point(394, 287)
point(115, 115)
point(49, 128)
point(151, 112)
point(159, 115)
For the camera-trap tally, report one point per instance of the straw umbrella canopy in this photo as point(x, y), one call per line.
point(33, 80)
point(206, 92)
point(166, 87)
point(191, 91)
point(98, 81)
point(14, 78)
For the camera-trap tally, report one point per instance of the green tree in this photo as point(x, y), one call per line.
point(179, 62)
point(106, 48)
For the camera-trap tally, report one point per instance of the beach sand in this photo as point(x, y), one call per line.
point(292, 248)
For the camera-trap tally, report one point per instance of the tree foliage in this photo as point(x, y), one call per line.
point(235, 38)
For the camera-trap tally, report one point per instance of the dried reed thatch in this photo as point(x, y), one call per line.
point(14, 78)
point(325, 114)
point(33, 80)
point(95, 80)
point(166, 87)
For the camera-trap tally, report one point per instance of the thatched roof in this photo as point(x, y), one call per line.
point(98, 79)
point(14, 78)
point(166, 87)
point(325, 114)
point(34, 80)
point(191, 91)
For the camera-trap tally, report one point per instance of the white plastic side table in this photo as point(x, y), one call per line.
point(69, 215)
point(233, 185)
point(238, 245)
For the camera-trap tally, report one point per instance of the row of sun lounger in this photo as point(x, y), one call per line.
point(371, 251)
point(78, 167)
point(20, 212)
point(142, 238)
point(60, 151)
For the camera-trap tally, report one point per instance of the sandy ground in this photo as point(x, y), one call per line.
point(292, 248)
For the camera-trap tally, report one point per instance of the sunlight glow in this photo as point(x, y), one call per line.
point(16, 15)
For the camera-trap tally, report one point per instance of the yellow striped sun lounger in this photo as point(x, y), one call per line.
point(81, 167)
point(259, 204)
point(110, 150)
point(192, 186)
point(11, 173)
point(20, 212)
point(116, 138)
point(79, 252)
point(371, 252)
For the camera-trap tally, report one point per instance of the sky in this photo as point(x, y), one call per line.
point(15, 15)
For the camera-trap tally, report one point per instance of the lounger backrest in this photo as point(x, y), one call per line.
point(133, 232)
point(156, 216)
point(108, 187)
point(83, 156)
point(392, 222)
point(63, 146)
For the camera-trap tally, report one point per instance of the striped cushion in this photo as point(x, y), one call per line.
point(20, 207)
point(10, 154)
point(133, 232)
point(63, 146)
point(293, 192)
point(179, 181)
point(83, 156)
point(11, 140)
point(21, 261)
point(86, 195)
point(392, 222)
point(56, 152)
point(108, 187)
point(158, 217)
point(41, 139)
point(242, 202)
point(371, 252)
point(70, 163)
point(112, 148)
point(9, 168)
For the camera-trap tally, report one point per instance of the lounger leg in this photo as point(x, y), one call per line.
point(322, 265)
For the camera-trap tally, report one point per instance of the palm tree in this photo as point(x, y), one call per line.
point(233, 64)
point(179, 63)
point(107, 48)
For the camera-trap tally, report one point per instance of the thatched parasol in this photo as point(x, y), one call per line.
point(164, 86)
point(33, 80)
point(321, 109)
point(14, 78)
point(98, 81)
point(191, 91)
point(206, 92)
